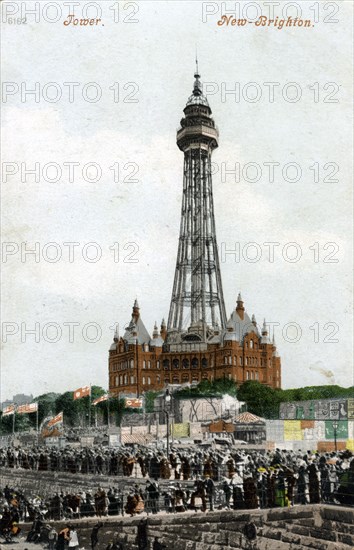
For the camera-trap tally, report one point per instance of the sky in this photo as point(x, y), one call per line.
point(102, 211)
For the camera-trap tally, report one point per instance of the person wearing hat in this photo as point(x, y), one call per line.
point(52, 538)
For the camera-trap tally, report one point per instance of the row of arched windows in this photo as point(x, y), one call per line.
point(124, 380)
point(185, 364)
point(123, 365)
point(252, 375)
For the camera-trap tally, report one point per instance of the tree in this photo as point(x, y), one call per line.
point(261, 400)
point(22, 423)
point(150, 397)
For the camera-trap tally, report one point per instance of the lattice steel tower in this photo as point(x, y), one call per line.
point(197, 302)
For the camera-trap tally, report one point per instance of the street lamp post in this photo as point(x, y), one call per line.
point(335, 427)
point(167, 413)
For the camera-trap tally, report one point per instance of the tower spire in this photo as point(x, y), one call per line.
point(197, 88)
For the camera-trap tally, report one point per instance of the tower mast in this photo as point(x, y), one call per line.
point(197, 297)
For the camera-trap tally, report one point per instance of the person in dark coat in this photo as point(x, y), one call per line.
point(142, 535)
point(63, 538)
point(250, 493)
point(94, 534)
point(199, 492)
point(156, 545)
point(314, 484)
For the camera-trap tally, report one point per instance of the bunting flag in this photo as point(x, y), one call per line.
point(27, 409)
point(100, 399)
point(56, 420)
point(82, 392)
point(134, 403)
point(8, 410)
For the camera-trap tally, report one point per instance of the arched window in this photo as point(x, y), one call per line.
point(143, 380)
point(247, 375)
point(116, 380)
point(166, 364)
point(158, 364)
point(204, 363)
point(149, 364)
point(125, 379)
point(132, 379)
point(185, 364)
point(194, 363)
point(175, 380)
point(149, 381)
point(144, 364)
point(251, 344)
point(121, 380)
point(175, 364)
point(185, 378)
point(225, 360)
point(195, 378)
point(241, 361)
point(158, 379)
point(230, 360)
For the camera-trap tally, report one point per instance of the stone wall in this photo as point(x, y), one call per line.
point(318, 527)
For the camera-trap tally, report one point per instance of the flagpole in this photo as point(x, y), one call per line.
point(13, 420)
point(108, 410)
point(90, 409)
point(37, 424)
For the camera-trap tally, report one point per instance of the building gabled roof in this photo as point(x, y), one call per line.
point(242, 326)
point(142, 334)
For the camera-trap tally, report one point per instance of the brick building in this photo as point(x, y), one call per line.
point(198, 343)
point(139, 362)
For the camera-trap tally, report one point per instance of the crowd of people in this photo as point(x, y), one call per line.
point(190, 479)
point(233, 478)
point(183, 464)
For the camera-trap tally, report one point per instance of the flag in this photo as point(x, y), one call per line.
point(134, 403)
point(82, 392)
point(100, 399)
point(27, 409)
point(56, 420)
point(8, 410)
